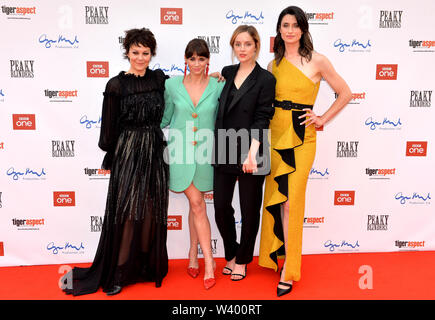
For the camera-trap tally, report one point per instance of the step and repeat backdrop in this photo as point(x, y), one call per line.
point(371, 185)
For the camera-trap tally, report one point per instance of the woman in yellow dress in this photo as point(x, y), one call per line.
point(298, 70)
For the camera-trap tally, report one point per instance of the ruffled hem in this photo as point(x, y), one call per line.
point(285, 146)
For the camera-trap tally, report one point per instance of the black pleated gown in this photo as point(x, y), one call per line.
point(132, 246)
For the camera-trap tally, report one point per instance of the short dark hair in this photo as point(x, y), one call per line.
point(198, 46)
point(137, 37)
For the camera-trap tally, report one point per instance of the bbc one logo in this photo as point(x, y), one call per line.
point(97, 69)
point(386, 71)
point(24, 122)
point(344, 198)
point(416, 148)
point(64, 198)
point(171, 15)
point(175, 222)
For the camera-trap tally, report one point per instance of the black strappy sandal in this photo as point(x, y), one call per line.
point(241, 275)
point(227, 274)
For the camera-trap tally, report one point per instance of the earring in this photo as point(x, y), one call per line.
point(206, 70)
point(185, 70)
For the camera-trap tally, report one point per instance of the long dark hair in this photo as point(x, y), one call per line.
point(305, 43)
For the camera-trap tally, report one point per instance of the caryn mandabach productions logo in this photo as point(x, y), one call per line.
point(60, 41)
point(383, 124)
point(353, 45)
point(413, 198)
point(245, 16)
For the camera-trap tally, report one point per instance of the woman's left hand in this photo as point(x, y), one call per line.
point(312, 118)
point(218, 76)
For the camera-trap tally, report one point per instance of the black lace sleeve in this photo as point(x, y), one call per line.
point(109, 121)
point(161, 78)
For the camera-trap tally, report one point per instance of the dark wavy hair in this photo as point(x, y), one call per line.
point(305, 43)
point(198, 46)
point(137, 37)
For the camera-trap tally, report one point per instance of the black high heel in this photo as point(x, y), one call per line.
point(279, 291)
point(115, 290)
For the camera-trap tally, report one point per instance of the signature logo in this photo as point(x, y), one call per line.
point(415, 196)
point(388, 124)
point(47, 42)
point(332, 246)
point(17, 174)
point(89, 124)
point(235, 17)
point(172, 68)
point(314, 171)
point(342, 45)
point(55, 249)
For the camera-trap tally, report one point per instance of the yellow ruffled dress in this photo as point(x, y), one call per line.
point(293, 149)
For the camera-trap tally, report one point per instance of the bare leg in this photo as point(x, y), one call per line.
point(202, 227)
point(284, 219)
point(193, 251)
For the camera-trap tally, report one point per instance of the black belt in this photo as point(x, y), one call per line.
point(288, 105)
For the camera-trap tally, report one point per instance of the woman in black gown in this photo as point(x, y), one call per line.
point(132, 247)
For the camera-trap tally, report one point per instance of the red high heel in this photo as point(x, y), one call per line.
point(193, 272)
point(208, 283)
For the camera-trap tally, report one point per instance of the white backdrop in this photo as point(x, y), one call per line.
point(52, 197)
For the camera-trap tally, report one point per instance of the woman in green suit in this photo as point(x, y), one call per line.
point(190, 112)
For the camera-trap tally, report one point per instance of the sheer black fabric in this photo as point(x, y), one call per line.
point(132, 246)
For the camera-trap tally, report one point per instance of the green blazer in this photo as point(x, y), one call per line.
point(191, 134)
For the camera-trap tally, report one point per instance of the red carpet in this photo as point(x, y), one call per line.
point(396, 276)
